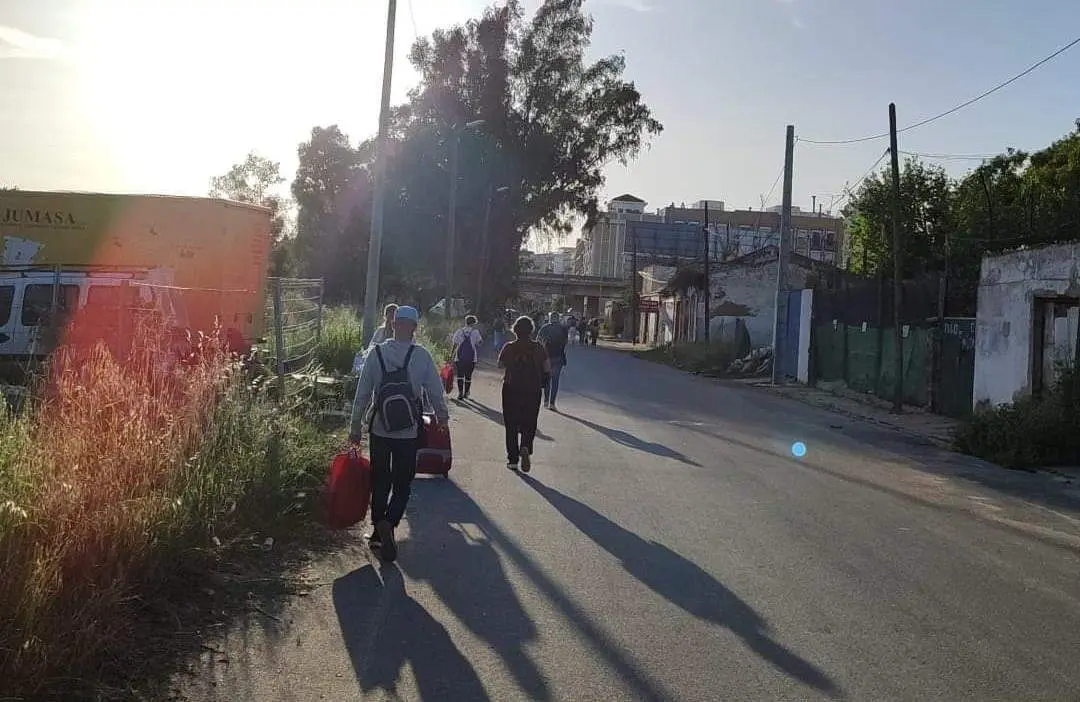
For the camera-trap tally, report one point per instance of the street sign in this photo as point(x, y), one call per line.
point(649, 305)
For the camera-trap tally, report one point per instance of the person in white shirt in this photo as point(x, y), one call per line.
point(466, 342)
point(386, 331)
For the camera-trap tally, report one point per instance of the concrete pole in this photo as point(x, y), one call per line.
point(451, 223)
point(780, 324)
point(371, 292)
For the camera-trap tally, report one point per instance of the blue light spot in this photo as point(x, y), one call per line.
point(798, 449)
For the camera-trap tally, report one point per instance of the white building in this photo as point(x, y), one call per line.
point(605, 242)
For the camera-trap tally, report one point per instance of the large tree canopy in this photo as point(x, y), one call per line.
point(551, 121)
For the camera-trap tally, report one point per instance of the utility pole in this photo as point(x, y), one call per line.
point(898, 381)
point(780, 324)
point(635, 313)
point(371, 291)
point(483, 248)
point(451, 221)
point(708, 289)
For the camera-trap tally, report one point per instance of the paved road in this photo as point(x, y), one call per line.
point(667, 546)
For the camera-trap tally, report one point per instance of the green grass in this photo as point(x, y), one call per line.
point(340, 339)
point(118, 483)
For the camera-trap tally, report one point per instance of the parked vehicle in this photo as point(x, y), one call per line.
point(91, 266)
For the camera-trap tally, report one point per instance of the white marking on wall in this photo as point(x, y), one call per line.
point(806, 301)
point(19, 251)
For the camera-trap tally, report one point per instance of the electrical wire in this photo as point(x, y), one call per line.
point(849, 191)
point(951, 157)
point(412, 16)
point(946, 113)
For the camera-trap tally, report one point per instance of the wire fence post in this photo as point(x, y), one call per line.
point(279, 336)
point(319, 316)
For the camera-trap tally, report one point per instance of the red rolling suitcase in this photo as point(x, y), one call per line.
point(434, 456)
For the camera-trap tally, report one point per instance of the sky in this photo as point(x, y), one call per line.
point(156, 96)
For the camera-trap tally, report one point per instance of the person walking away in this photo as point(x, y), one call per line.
point(466, 342)
point(498, 333)
point(594, 331)
point(554, 337)
point(583, 331)
point(526, 369)
point(388, 399)
point(386, 331)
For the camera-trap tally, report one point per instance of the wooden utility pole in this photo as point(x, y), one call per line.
point(898, 381)
point(780, 323)
point(708, 289)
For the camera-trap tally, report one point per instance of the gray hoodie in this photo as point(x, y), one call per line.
point(422, 374)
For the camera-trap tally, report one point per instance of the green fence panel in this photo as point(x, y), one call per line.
point(828, 350)
point(862, 358)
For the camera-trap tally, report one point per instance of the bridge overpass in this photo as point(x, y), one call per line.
point(572, 285)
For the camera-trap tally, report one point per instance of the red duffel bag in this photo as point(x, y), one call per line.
point(348, 490)
point(434, 456)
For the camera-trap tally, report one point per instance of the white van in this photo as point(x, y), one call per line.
point(35, 304)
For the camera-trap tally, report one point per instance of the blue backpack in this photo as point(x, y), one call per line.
point(466, 351)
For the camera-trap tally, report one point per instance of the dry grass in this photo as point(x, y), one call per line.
point(115, 474)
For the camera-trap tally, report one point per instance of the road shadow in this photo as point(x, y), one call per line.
point(465, 572)
point(384, 629)
point(627, 439)
point(684, 584)
point(494, 415)
point(619, 381)
point(452, 547)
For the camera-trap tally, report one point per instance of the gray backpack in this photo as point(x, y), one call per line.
point(395, 400)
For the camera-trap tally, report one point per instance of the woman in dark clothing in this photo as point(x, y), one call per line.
point(526, 370)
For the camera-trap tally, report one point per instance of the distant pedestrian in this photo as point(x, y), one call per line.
point(466, 342)
point(386, 331)
point(554, 337)
point(498, 333)
point(526, 371)
point(594, 331)
point(389, 400)
point(583, 331)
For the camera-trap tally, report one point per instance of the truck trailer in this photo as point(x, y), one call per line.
point(91, 260)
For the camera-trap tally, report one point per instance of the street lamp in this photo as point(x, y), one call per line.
point(492, 192)
point(451, 234)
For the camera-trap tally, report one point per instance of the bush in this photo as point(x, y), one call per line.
point(706, 358)
point(340, 339)
point(1031, 432)
point(115, 474)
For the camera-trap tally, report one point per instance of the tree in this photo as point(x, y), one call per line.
point(332, 190)
point(552, 121)
point(255, 180)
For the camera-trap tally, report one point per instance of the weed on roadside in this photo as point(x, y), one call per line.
point(704, 358)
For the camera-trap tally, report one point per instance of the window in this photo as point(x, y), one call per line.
point(37, 301)
point(7, 297)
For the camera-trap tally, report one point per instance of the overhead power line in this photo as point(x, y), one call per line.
point(849, 190)
point(946, 113)
point(951, 157)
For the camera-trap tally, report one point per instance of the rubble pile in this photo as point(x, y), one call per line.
point(757, 362)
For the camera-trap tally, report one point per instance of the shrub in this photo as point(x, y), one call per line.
point(340, 339)
point(1031, 432)
point(115, 474)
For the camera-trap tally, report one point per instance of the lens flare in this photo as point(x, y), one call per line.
point(798, 449)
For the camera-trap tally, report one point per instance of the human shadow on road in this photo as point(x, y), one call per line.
point(384, 629)
point(684, 584)
point(495, 415)
point(629, 440)
point(461, 565)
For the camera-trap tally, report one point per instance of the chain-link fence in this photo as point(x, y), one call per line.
point(294, 328)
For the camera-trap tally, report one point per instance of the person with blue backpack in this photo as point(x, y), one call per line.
point(466, 342)
point(388, 401)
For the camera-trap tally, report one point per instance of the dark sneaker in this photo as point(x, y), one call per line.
point(512, 465)
point(388, 547)
point(373, 540)
point(526, 460)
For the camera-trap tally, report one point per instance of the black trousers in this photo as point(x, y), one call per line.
point(464, 375)
point(520, 413)
point(393, 467)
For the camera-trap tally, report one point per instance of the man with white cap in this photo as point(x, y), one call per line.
point(389, 396)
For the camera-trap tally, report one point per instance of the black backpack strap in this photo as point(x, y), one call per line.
point(382, 364)
point(408, 357)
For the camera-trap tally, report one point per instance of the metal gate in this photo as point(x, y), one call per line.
point(957, 383)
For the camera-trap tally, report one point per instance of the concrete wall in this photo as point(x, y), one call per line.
point(748, 290)
point(1009, 286)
